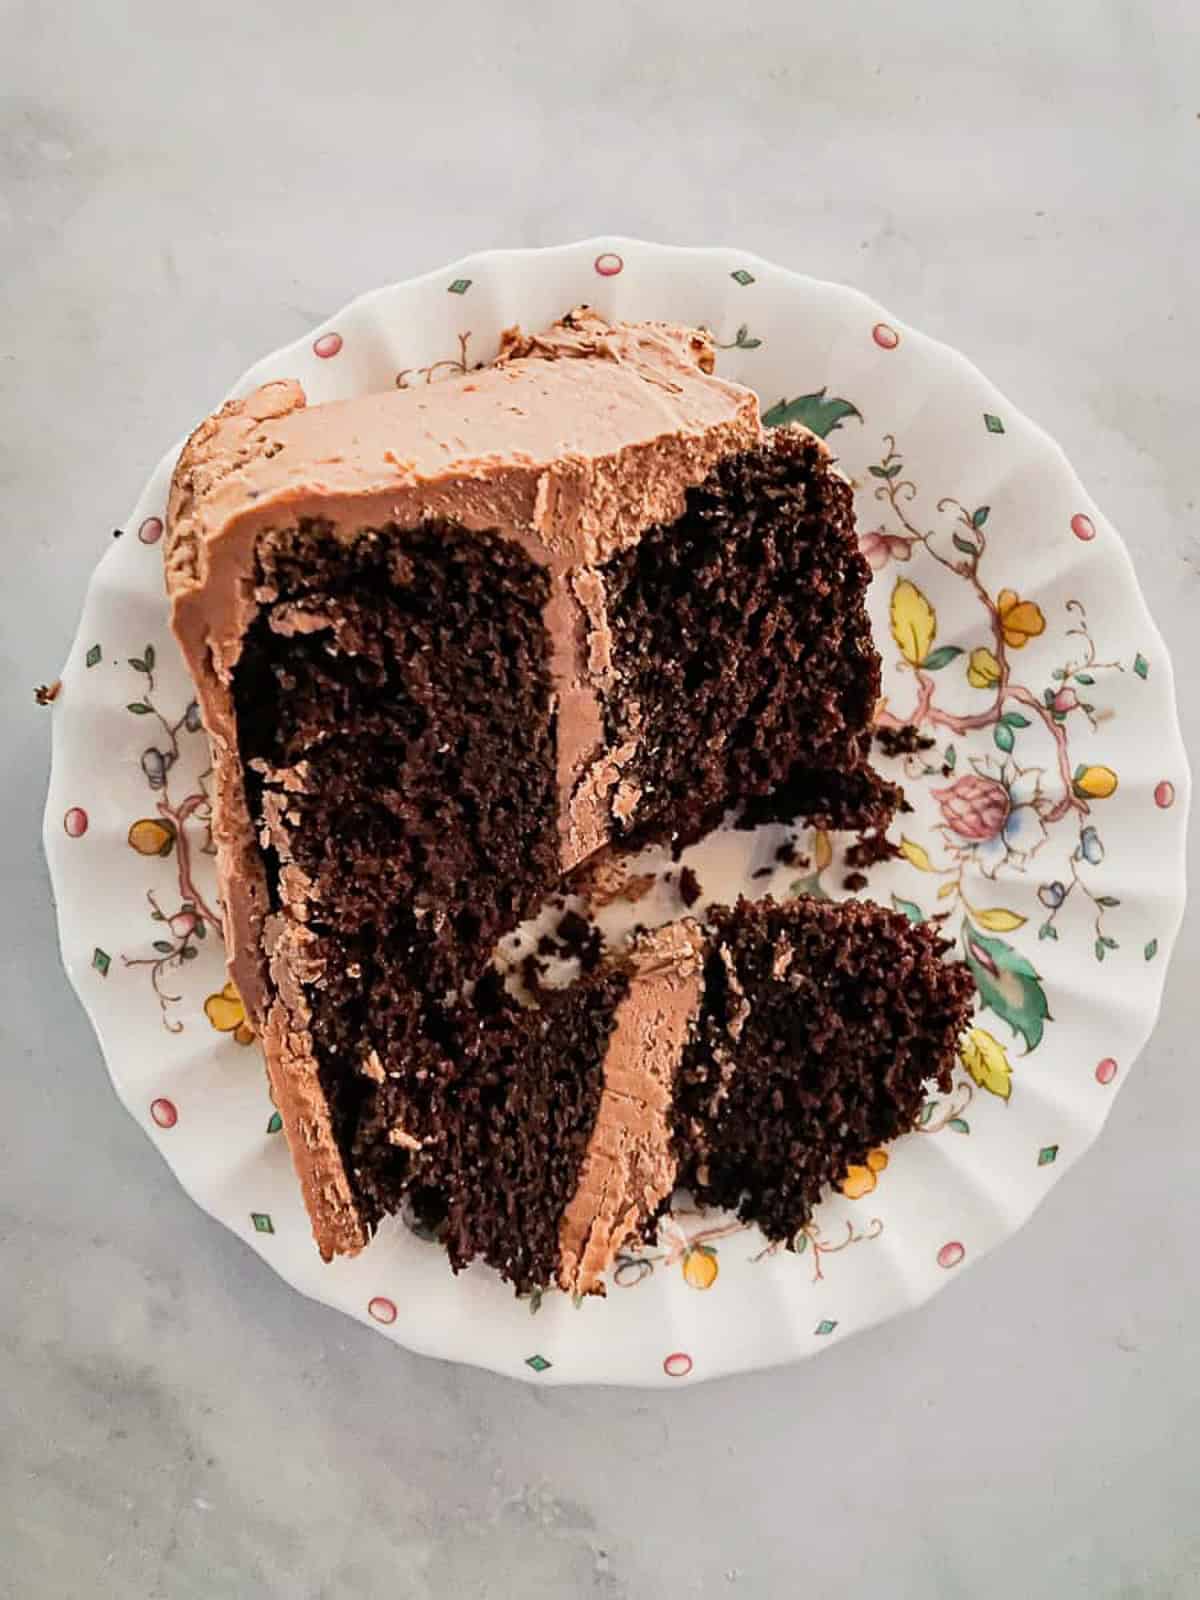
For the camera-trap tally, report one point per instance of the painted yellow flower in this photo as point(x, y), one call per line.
point(983, 670)
point(861, 1180)
point(700, 1266)
point(227, 1013)
point(1097, 783)
point(1021, 620)
point(150, 836)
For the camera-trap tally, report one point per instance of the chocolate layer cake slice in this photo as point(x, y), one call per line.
point(753, 1064)
point(449, 642)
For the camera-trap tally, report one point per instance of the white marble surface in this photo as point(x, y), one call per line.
point(182, 189)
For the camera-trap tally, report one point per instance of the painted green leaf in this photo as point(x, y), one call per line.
point(1007, 984)
point(164, 947)
point(93, 656)
point(992, 423)
point(951, 757)
point(965, 545)
point(137, 664)
point(941, 657)
point(1099, 949)
point(139, 708)
point(927, 1111)
point(980, 515)
point(820, 412)
point(275, 1125)
point(1003, 735)
point(1047, 931)
point(1140, 665)
point(1151, 950)
point(148, 657)
point(742, 277)
point(1014, 719)
point(909, 907)
point(959, 1125)
point(1085, 677)
point(1107, 900)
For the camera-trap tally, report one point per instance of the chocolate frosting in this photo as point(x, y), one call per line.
point(572, 443)
point(629, 1166)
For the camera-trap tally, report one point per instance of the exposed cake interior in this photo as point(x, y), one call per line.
point(819, 1026)
point(394, 721)
point(487, 1135)
point(741, 655)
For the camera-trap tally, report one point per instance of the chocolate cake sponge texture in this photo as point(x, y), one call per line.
point(752, 1062)
point(449, 643)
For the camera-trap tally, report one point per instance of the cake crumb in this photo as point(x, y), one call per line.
point(871, 848)
point(905, 741)
point(689, 887)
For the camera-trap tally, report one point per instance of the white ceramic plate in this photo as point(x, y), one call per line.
point(1048, 828)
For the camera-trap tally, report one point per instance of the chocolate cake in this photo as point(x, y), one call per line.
point(450, 643)
point(754, 1064)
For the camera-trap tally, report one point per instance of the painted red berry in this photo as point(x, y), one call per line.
point(151, 530)
point(75, 822)
point(950, 1254)
point(1164, 795)
point(1083, 527)
point(327, 345)
point(182, 923)
point(885, 336)
point(608, 264)
point(382, 1310)
point(1106, 1070)
point(164, 1113)
point(678, 1364)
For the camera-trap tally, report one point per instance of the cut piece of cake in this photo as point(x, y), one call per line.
point(541, 1140)
point(819, 1026)
point(754, 1064)
point(449, 642)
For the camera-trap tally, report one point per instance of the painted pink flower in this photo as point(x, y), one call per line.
point(992, 814)
point(975, 808)
point(880, 548)
point(1065, 700)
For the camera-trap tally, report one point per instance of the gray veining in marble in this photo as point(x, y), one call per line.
point(185, 187)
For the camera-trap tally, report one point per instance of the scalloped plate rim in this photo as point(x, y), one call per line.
point(1174, 750)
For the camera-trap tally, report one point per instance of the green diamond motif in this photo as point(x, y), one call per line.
point(459, 286)
point(1151, 950)
point(991, 423)
point(275, 1124)
point(262, 1222)
point(538, 1363)
point(742, 276)
point(93, 656)
point(1047, 1155)
point(824, 1326)
point(1140, 665)
point(101, 960)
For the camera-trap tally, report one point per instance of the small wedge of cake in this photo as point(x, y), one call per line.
point(451, 642)
point(753, 1063)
